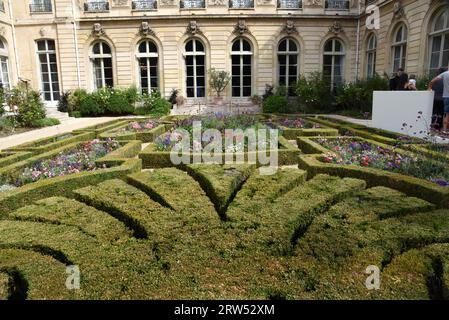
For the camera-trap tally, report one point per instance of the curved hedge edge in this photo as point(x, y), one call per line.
point(102, 127)
point(130, 150)
point(317, 132)
point(308, 146)
point(52, 145)
point(421, 149)
point(151, 158)
point(374, 177)
point(366, 134)
point(14, 157)
point(64, 185)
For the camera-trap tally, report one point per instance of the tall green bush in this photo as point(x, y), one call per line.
point(30, 106)
point(314, 94)
point(275, 104)
point(154, 103)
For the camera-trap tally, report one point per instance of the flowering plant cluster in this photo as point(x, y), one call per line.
point(297, 123)
point(81, 158)
point(348, 151)
point(141, 126)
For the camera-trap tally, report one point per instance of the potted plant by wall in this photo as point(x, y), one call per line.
point(218, 81)
point(180, 101)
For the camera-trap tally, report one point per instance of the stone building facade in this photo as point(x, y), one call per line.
point(59, 45)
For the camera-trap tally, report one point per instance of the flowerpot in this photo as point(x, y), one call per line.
point(218, 101)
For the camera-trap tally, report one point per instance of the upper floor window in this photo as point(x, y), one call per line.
point(195, 69)
point(242, 59)
point(96, 5)
point(101, 58)
point(399, 48)
point(4, 66)
point(333, 62)
point(40, 6)
point(288, 56)
point(148, 57)
point(371, 48)
point(439, 42)
point(289, 4)
point(193, 4)
point(337, 4)
point(241, 4)
point(144, 4)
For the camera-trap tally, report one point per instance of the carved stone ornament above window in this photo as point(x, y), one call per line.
point(120, 3)
point(192, 28)
point(314, 3)
point(241, 27)
point(264, 2)
point(168, 3)
point(217, 3)
point(145, 29)
point(398, 9)
point(289, 27)
point(336, 28)
point(97, 30)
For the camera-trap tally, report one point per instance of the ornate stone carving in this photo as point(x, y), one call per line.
point(398, 9)
point(315, 3)
point(2, 31)
point(336, 28)
point(168, 3)
point(97, 30)
point(217, 3)
point(241, 27)
point(289, 27)
point(145, 29)
point(264, 2)
point(120, 3)
point(43, 32)
point(192, 28)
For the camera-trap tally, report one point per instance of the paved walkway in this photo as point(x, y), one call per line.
point(66, 125)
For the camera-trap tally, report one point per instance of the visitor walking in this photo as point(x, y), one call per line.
point(411, 85)
point(445, 78)
point(438, 107)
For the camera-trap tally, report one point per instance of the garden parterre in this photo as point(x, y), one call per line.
point(208, 231)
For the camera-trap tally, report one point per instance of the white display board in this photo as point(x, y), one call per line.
point(392, 109)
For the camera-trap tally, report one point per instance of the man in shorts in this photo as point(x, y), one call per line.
point(445, 77)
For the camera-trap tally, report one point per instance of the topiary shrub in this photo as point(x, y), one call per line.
point(275, 104)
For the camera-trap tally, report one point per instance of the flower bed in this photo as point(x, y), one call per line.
point(292, 127)
point(347, 151)
point(145, 130)
point(79, 158)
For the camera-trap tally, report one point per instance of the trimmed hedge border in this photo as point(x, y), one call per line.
point(144, 136)
point(10, 157)
point(122, 158)
point(421, 149)
point(151, 158)
point(103, 127)
point(374, 177)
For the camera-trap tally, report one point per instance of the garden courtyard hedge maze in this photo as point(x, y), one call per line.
point(138, 227)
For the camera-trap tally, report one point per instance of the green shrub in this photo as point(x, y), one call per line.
point(31, 109)
point(46, 122)
point(75, 99)
point(155, 104)
point(102, 97)
point(275, 104)
point(120, 102)
point(2, 101)
point(314, 93)
point(63, 103)
point(132, 95)
point(90, 107)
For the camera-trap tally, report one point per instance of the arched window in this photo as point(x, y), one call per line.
point(147, 57)
point(399, 48)
point(195, 69)
point(288, 57)
point(4, 68)
point(333, 62)
point(439, 42)
point(46, 52)
point(102, 65)
point(241, 56)
point(371, 48)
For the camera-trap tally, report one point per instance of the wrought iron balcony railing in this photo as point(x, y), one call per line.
point(289, 4)
point(241, 4)
point(41, 6)
point(144, 5)
point(193, 4)
point(2, 6)
point(337, 4)
point(96, 6)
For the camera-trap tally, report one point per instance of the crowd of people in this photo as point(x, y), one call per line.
point(401, 81)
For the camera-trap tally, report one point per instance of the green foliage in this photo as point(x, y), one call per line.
point(218, 80)
point(30, 107)
point(422, 82)
point(2, 101)
point(46, 122)
point(154, 104)
point(314, 94)
point(275, 104)
point(63, 103)
point(173, 95)
point(120, 102)
point(75, 100)
point(90, 107)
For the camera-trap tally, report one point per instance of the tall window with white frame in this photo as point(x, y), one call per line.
point(288, 57)
point(439, 42)
point(242, 58)
point(195, 57)
point(4, 68)
point(371, 48)
point(147, 56)
point(333, 62)
point(399, 48)
point(101, 58)
point(46, 52)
